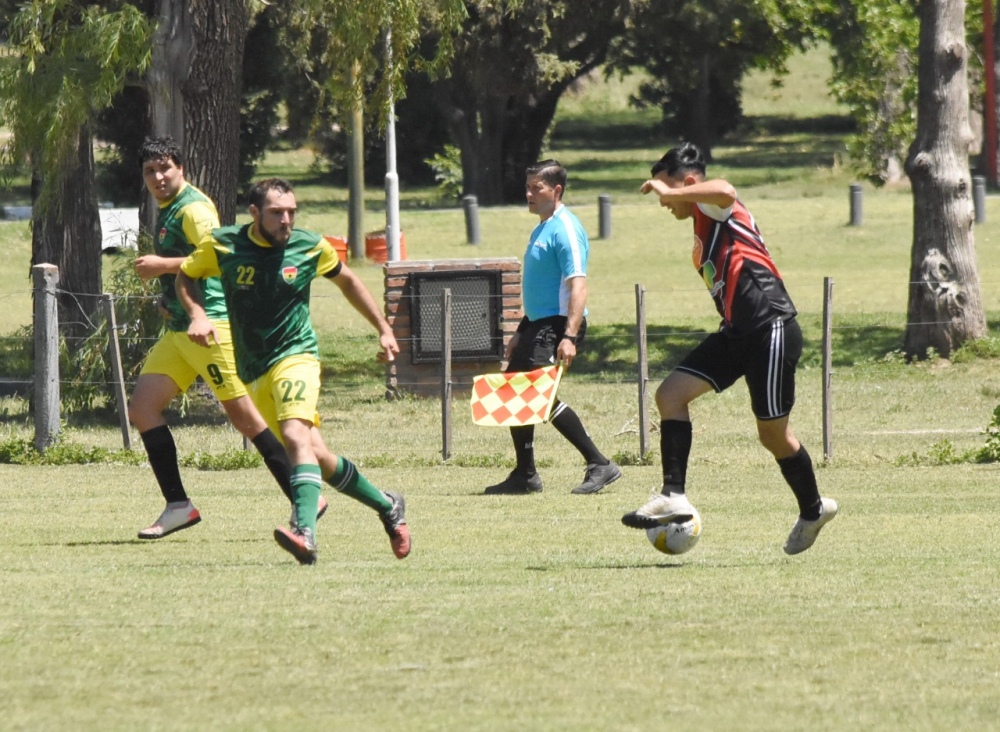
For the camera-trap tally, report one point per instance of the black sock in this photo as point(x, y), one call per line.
point(276, 460)
point(675, 449)
point(569, 425)
point(162, 453)
point(800, 476)
point(524, 448)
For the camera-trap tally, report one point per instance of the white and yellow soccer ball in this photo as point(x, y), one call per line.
point(678, 536)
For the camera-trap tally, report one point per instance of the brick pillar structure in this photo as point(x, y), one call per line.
point(424, 379)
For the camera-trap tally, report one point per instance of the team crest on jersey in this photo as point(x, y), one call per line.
point(706, 270)
point(289, 273)
point(163, 234)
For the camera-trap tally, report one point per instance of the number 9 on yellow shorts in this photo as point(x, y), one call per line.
point(289, 390)
point(177, 356)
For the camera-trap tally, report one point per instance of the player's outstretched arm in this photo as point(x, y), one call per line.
point(201, 330)
point(715, 192)
point(362, 301)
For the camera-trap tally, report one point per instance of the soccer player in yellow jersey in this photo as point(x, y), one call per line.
point(267, 268)
point(186, 216)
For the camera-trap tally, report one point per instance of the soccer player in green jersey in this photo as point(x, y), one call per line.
point(266, 269)
point(186, 216)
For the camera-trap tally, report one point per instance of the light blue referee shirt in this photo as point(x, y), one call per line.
point(557, 250)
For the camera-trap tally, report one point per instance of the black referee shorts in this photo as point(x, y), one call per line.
point(767, 358)
point(538, 342)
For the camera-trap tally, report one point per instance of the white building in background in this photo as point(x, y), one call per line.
point(119, 226)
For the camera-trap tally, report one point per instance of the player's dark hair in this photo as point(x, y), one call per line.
point(260, 190)
point(157, 148)
point(549, 171)
point(681, 160)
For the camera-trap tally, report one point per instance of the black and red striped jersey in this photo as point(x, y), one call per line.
point(730, 255)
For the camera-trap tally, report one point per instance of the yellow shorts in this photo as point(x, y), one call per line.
point(176, 356)
point(289, 390)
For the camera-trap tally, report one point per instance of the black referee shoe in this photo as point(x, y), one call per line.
point(597, 477)
point(516, 484)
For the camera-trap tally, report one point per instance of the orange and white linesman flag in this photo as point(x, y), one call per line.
point(516, 399)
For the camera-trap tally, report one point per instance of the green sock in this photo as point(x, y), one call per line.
point(350, 482)
point(306, 482)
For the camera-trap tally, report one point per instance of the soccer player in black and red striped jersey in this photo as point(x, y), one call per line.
point(759, 339)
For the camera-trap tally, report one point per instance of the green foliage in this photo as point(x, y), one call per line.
point(990, 452)
point(944, 453)
point(680, 43)
point(988, 347)
point(87, 371)
point(355, 34)
point(513, 61)
point(19, 451)
point(68, 60)
point(447, 167)
point(875, 40)
point(632, 458)
point(139, 322)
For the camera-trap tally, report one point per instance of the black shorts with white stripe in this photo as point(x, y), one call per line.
point(766, 357)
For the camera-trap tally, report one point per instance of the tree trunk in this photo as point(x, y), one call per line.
point(945, 307)
point(194, 83)
point(69, 236)
point(499, 135)
point(700, 120)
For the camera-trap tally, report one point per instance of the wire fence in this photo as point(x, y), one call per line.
point(612, 353)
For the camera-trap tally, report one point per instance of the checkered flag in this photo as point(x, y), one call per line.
point(515, 399)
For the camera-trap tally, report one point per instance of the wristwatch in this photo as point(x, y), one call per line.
point(567, 337)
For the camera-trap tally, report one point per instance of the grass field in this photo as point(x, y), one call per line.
point(544, 612)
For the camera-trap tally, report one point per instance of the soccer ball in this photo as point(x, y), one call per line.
point(678, 536)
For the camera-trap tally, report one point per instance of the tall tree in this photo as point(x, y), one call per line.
point(873, 39)
point(355, 33)
point(68, 61)
point(945, 307)
point(512, 63)
point(195, 83)
point(697, 54)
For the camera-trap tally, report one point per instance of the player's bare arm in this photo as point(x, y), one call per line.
point(566, 349)
point(201, 330)
point(149, 266)
point(362, 301)
point(715, 192)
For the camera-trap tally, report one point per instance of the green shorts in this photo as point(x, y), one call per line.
point(289, 390)
point(178, 357)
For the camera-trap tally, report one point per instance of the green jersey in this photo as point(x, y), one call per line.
point(183, 222)
point(267, 292)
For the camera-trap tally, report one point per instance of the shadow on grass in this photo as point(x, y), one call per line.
point(625, 135)
point(610, 351)
point(814, 139)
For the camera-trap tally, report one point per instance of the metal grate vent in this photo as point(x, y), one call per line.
point(476, 332)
